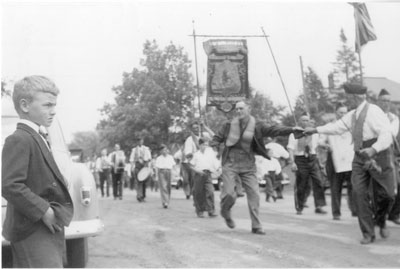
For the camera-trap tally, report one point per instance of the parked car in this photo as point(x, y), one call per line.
point(86, 221)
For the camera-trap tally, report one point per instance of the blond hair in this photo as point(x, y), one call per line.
point(27, 87)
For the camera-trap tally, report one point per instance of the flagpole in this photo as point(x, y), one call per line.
point(361, 71)
point(305, 90)
point(197, 74)
point(279, 73)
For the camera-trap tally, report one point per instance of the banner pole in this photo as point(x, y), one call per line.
point(197, 72)
point(279, 73)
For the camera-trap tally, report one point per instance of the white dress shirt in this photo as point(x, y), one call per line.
point(165, 162)
point(342, 149)
point(189, 148)
point(376, 125)
point(206, 160)
point(294, 145)
point(278, 151)
point(394, 123)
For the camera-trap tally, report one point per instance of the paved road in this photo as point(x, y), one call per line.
point(146, 235)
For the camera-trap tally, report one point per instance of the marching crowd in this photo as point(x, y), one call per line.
point(362, 148)
point(343, 154)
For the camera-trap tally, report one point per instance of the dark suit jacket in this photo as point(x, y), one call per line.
point(31, 183)
point(262, 130)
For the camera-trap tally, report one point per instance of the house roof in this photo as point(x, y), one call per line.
point(376, 84)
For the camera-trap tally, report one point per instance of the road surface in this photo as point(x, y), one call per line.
point(147, 235)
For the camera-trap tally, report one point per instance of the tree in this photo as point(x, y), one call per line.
point(88, 141)
point(346, 68)
point(151, 100)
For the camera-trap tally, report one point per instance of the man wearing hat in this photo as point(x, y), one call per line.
point(140, 157)
point(243, 139)
point(384, 102)
point(372, 163)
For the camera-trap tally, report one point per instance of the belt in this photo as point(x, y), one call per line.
point(164, 169)
point(304, 156)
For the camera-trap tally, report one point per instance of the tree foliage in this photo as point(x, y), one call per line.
point(346, 68)
point(150, 100)
point(88, 141)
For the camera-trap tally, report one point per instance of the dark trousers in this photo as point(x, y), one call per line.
point(105, 179)
point(270, 185)
point(203, 193)
point(188, 179)
point(117, 184)
point(164, 179)
point(365, 177)
point(308, 169)
point(240, 165)
point(337, 181)
point(395, 211)
point(41, 249)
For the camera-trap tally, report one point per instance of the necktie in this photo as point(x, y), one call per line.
point(45, 136)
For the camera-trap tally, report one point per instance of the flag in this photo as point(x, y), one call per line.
point(364, 30)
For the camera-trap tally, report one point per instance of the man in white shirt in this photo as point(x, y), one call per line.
point(140, 157)
point(303, 157)
point(190, 146)
point(164, 164)
point(384, 102)
point(268, 170)
point(280, 154)
point(372, 163)
point(204, 162)
point(103, 165)
point(338, 165)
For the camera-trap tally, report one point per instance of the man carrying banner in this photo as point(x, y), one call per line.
point(372, 163)
point(243, 139)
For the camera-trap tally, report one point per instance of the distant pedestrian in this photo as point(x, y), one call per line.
point(117, 158)
point(164, 164)
point(103, 165)
point(140, 157)
point(303, 157)
point(204, 162)
point(338, 165)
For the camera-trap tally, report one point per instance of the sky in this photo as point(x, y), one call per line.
point(85, 46)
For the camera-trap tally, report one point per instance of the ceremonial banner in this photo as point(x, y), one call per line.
point(364, 30)
point(227, 76)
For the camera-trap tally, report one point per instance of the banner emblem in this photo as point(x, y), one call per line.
point(227, 72)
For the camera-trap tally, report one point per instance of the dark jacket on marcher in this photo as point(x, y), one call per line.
point(261, 130)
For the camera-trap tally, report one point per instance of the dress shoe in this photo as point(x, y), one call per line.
point(367, 240)
point(336, 217)
point(395, 221)
point(299, 212)
point(165, 205)
point(230, 223)
point(200, 214)
point(384, 232)
point(319, 210)
point(258, 231)
point(240, 194)
point(212, 214)
point(187, 197)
